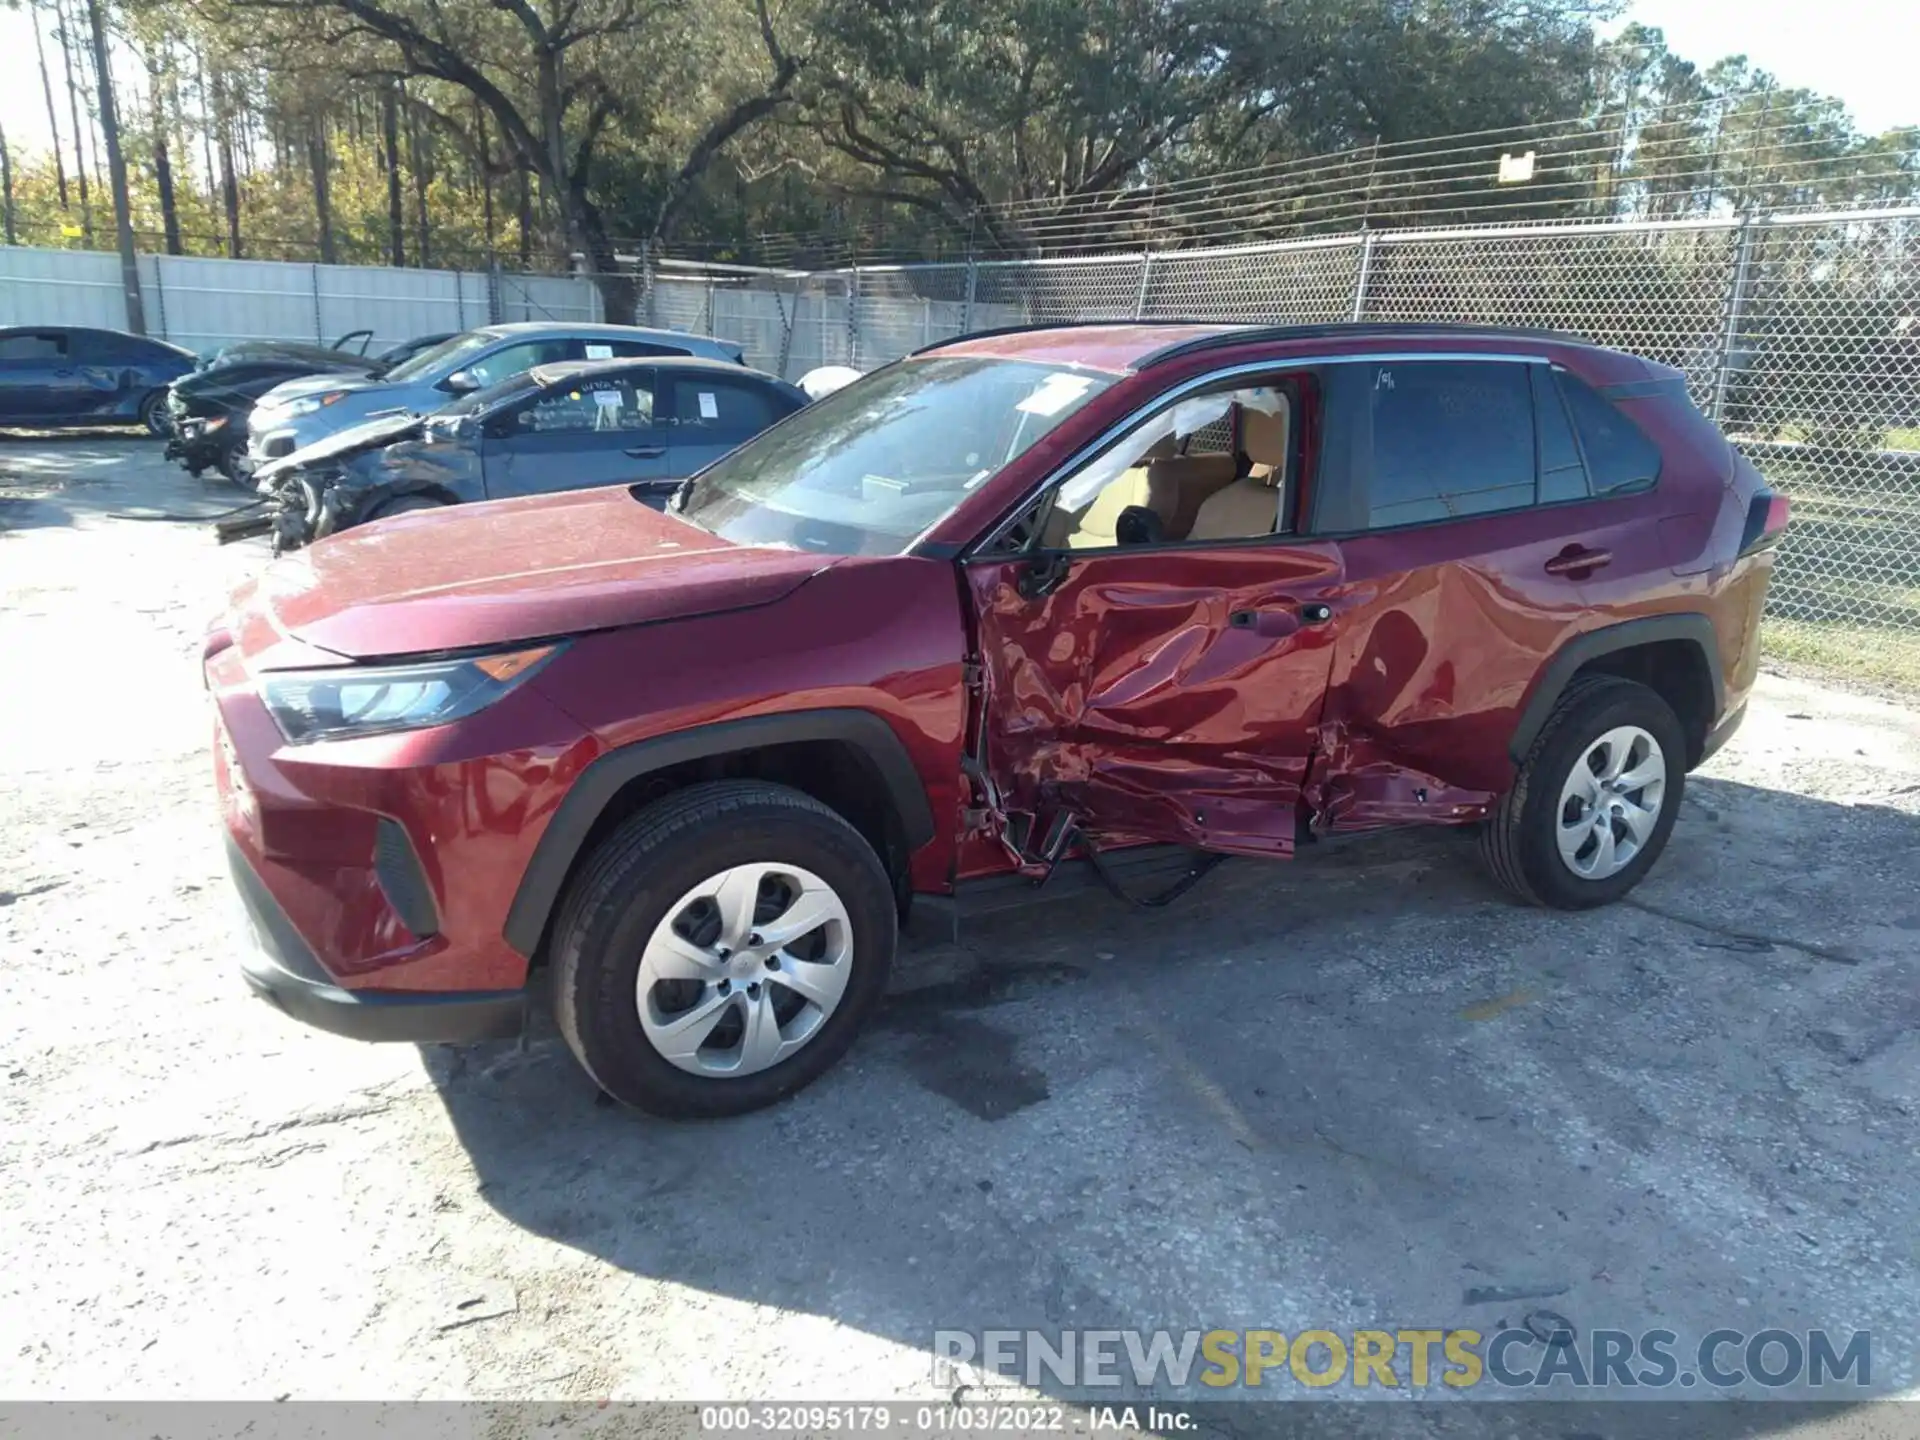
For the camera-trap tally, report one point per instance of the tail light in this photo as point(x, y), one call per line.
point(1766, 520)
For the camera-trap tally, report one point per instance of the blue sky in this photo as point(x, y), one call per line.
point(1864, 51)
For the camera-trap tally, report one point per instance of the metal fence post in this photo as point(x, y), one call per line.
point(1146, 274)
point(319, 333)
point(159, 297)
point(1736, 307)
point(973, 284)
point(1363, 278)
point(495, 313)
point(853, 317)
point(788, 319)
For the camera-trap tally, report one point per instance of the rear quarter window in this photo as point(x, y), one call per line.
point(1619, 455)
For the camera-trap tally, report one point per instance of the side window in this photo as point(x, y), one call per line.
point(1208, 468)
point(628, 349)
point(703, 403)
point(622, 403)
point(1619, 456)
point(1450, 438)
point(1562, 474)
point(110, 347)
point(505, 363)
point(32, 345)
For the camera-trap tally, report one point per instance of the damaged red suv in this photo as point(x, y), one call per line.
point(1024, 610)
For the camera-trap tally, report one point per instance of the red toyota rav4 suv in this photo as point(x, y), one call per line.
point(1021, 608)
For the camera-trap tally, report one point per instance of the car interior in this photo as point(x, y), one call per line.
point(1214, 467)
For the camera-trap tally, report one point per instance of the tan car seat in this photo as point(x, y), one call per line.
point(1250, 505)
point(1178, 487)
point(1095, 527)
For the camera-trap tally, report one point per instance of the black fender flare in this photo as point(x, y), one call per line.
point(1686, 625)
point(560, 844)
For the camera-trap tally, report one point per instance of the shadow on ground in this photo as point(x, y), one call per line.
point(69, 476)
point(1362, 1090)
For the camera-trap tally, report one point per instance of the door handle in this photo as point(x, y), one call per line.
point(1576, 562)
point(1281, 619)
point(647, 452)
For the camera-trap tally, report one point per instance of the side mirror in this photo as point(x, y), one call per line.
point(461, 382)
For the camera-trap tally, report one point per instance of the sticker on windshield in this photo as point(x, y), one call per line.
point(1054, 394)
point(599, 352)
point(709, 407)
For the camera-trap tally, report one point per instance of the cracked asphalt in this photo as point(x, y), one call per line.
point(1362, 1090)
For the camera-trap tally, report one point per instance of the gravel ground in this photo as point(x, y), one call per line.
point(1344, 1093)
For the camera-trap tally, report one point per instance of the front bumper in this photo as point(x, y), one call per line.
point(272, 444)
point(1723, 732)
point(281, 968)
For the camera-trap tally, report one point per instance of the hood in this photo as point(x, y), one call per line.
point(365, 435)
point(347, 381)
point(494, 572)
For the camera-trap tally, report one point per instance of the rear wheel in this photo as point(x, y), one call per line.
point(1594, 801)
point(721, 949)
point(153, 415)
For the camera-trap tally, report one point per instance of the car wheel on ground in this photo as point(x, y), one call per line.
point(1594, 801)
point(153, 415)
point(720, 949)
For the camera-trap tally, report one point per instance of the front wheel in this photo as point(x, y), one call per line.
point(1595, 799)
point(153, 415)
point(721, 949)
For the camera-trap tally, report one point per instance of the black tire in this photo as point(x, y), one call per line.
point(153, 415)
point(625, 889)
point(1519, 841)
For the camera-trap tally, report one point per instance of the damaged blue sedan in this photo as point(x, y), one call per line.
point(647, 424)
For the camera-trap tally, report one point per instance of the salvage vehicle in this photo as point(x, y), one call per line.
point(1025, 611)
point(302, 412)
point(59, 375)
point(647, 424)
point(208, 409)
point(353, 346)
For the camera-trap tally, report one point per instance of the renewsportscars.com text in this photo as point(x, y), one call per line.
point(1405, 1359)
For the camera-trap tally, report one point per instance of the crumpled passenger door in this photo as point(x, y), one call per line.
point(1154, 694)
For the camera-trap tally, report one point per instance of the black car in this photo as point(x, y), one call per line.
point(647, 423)
point(58, 375)
point(208, 409)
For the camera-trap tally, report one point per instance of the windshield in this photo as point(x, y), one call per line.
point(434, 358)
point(870, 467)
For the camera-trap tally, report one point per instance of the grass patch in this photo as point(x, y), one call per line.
point(1856, 652)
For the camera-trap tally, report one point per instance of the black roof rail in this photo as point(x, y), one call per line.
point(1053, 325)
point(1240, 334)
point(1350, 329)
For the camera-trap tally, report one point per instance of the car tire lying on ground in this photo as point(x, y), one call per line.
point(1594, 801)
point(721, 949)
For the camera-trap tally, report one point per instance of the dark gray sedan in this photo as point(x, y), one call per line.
point(554, 427)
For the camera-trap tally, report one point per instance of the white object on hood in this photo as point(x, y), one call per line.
point(825, 379)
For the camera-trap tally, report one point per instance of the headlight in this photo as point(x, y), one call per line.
point(218, 422)
point(311, 705)
point(307, 404)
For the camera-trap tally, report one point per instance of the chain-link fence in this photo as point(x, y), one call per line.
point(1800, 334)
